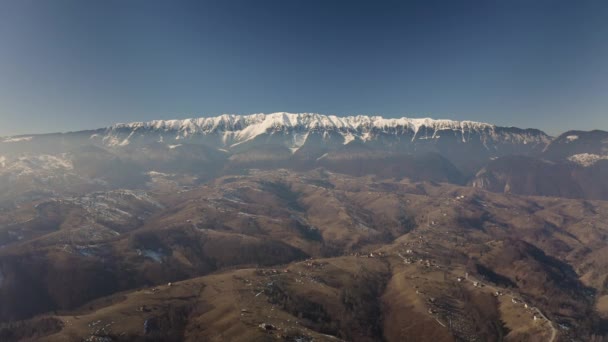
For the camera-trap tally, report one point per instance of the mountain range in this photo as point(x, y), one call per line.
point(503, 159)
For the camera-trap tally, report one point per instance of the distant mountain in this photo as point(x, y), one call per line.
point(467, 144)
point(574, 165)
point(318, 133)
point(235, 129)
point(524, 161)
point(574, 143)
point(529, 176)
point(296, 130)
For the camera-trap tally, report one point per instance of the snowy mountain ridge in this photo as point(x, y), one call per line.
point(236, 129)
point(259, 122)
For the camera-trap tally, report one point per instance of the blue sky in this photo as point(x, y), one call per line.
point(73, 64)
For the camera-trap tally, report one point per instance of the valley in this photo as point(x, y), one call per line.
point(320, 255)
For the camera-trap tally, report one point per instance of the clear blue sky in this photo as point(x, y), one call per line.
point(70, 65)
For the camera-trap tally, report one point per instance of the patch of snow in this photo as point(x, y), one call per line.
point(85, 251)
point(587, 159)
point(116, 206)
point(571, 138)
point(298, 141)
point(348, 138)
point(154, 255)
point(159, 174)
point(126, 141)
point(17, 139)
point(110, 140)
point(28, 165)
point(174, 146)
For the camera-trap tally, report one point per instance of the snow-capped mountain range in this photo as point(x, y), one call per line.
point(420, 149)
point(246, 127)
point(232, 130)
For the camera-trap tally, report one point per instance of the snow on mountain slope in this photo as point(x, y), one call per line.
point(25, 165)
point(573, 143)
point(587, 159)
point(233, 130)
point(16, 139)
